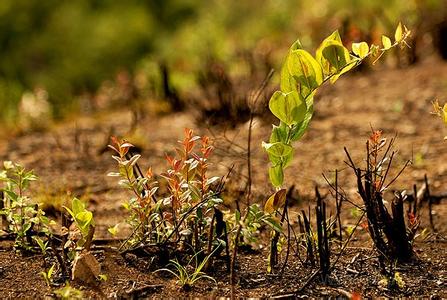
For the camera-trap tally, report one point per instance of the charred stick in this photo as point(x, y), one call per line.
point(338, 202)
point(275, 239)
point(288, 243)
point(430, 203)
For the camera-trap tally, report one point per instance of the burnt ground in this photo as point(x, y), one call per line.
point(69, 161)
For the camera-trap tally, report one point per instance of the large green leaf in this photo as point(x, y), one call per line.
point(337, 56)
point(287, 82)
point(333, 57)
point(290, 107)
point(305, 70)
point(287, 159)
point(335, 36)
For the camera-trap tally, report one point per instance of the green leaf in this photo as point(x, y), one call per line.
point(279, 133)
point(360, 49)
point(287, 83)
point(334, 37)
point(237, 216)
point(276, 175)
point(290, 107)
point(273, 224)
point(299, 129)
point(386, 42)
point(287, 159)
point(336, 55)
point(277, 149)
point(305, 70)
point(348, 67)
point(13, 196)
point(26, 227)
point(102, 277)
point(50, 271)
point(84, 218)
point(77, 206)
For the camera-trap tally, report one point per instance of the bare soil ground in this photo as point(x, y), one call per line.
point(69, 157)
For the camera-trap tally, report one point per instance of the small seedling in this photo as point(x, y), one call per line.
point(256, 219)
point(185, 278)
point(83, 219)
point(48, 275)
point(44, 246)
point(24, 219)
point(392, 282)
point(68, 292)
point(114, 229)
point(103, 277)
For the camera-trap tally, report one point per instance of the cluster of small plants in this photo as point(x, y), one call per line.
point(19, 215)
point(22, 219)
point(182, 212)
point(182, 207)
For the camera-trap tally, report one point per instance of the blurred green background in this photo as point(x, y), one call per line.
point(66, 53)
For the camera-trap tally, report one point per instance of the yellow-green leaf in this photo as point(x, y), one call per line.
point(77, 206)
point(386, 42)
point(113, 230)
point(287, 83)
point(84, 217)
point(334, 37)
point(275, 201)
point(360, 49)
point(290, 107)
point(334, 57)
point(398, 34)
point(305, 70)
point(277, 149)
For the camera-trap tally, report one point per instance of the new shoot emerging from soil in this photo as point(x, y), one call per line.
point(19, 215)
point(187, 275)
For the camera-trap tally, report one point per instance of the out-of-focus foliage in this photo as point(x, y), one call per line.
point(70, 48)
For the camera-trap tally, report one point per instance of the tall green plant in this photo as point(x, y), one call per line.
point(301, 76)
